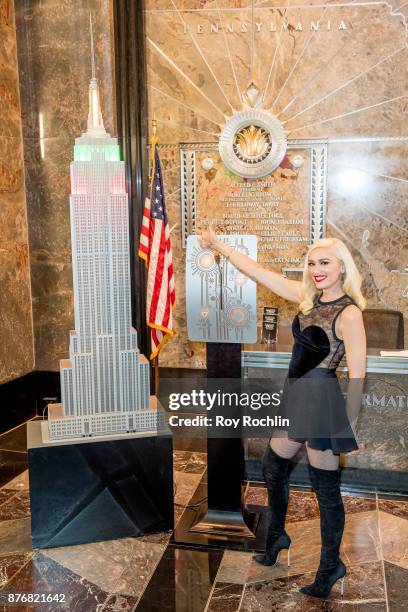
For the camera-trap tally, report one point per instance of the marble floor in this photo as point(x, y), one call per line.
point(151, 573)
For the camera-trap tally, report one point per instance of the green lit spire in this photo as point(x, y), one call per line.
point(95, 143)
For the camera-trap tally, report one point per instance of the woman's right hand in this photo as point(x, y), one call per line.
point(207, 238)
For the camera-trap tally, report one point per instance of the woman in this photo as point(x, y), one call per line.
point(329, 324)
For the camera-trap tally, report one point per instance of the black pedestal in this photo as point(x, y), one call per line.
point(222, 521)
point(89, 490)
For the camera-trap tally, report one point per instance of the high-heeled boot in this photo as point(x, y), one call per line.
point(326, 484)
point(275, 472)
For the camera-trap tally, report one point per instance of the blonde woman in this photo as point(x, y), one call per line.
point(328, 325)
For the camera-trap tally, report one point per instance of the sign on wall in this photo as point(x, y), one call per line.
point(220, 300)
point(286, 209)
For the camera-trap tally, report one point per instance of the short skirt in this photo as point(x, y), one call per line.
point(315, 409)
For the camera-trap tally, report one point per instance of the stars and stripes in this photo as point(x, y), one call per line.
point(155, 249)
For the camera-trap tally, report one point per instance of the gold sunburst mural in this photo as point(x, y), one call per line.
point(252, 143)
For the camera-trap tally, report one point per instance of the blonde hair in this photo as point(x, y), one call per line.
point(351, 277)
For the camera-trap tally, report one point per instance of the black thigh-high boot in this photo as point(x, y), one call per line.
point(326, 484)
point(275, 472)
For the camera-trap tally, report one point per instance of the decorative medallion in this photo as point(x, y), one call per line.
point(205, 261)
point(253, 142)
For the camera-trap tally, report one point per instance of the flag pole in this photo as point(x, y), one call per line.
point(153, 145)
point(156, 375)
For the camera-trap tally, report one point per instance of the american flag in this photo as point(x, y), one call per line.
point(155, 249)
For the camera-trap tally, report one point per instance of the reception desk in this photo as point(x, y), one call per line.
point(382, 460)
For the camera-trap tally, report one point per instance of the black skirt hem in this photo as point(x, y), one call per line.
point(341, 446)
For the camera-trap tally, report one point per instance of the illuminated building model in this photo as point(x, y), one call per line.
point(105, 383)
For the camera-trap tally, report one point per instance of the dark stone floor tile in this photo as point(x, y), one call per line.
point(256, 496)
point(302, 504)
point(274, 595)
point(120, 567)
point(18, 506)
point(15, 536)
point(43, 575)
point(394, 507)
point(225, 597)
point(234, 567)
point(178, 511)
point(359, 504)
point(18, 483)
point(180, 460)
point(302, 507)
point(185, 487)
point(396, 579)
point(197, 463)
point(190, 444)
point(12, 463)
point(182, 581)
point(5, 495)
point(15, 439)
point(120, 602)
point(195, 468)
point(138, 573)
point(10, 564)
point(157, 538)
point(394, 537)
point(363, 592)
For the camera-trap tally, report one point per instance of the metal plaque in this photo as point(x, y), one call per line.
point(220, 300)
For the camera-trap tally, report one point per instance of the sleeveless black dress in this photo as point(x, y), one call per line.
point(312, 400)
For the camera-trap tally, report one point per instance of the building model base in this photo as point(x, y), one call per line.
point(61, 427)
point(99, 488)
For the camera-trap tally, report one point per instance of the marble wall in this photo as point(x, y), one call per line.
point(55, 67)
point(345, 82)
point(16, 346)
point(337, 71)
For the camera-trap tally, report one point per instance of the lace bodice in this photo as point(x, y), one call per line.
point(316, 344)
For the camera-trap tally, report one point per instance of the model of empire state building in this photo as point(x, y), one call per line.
point(105, 383)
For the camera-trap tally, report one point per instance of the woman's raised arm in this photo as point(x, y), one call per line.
point(285, 288)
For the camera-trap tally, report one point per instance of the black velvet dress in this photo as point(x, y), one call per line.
point(312, 399)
